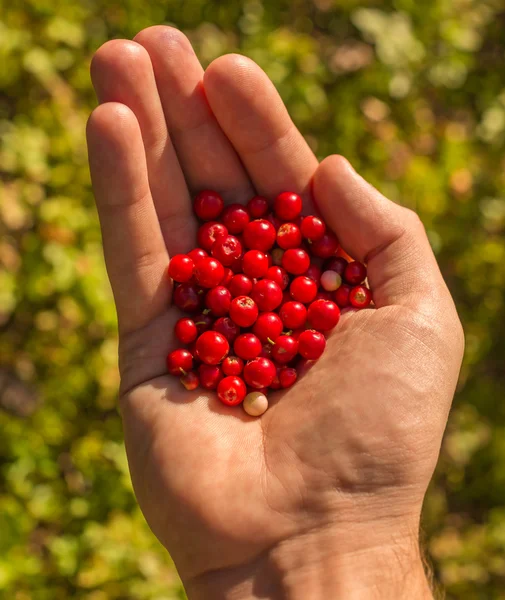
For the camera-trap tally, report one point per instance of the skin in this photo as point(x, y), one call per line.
point(321, 496)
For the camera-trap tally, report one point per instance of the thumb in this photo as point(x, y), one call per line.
point(391, 239)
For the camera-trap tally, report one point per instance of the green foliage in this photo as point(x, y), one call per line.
point(411, 92)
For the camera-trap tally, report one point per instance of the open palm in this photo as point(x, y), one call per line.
point(352, 446)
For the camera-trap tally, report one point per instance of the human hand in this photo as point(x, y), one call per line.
point(321, 497)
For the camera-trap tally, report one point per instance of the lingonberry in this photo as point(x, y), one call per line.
point(323, 315)
point(232, 365)
point(289, 236)
point(296, 261)
point(255, 263)
point(190, 381)
point(188, 297)
point(257, 207)
point(208, 205)
point(196, 254)
point(331, 281)
point(259, 235)
point(256, 403)
point(266, 350)
point(179, 362)
point(243, 311)
point(267, 294)
point(276, 382)
point(287, 376)
point(185, 330)
point(311, 344)
point(326, 246)
point(337, 264)
point(209, 233)
point(285, 349)
point(247, 346)
point(355, 273)
point(228, 275)
point(314, 272)
point(218, 300)
point(212, 347)
point(293, 315)
point(240, 285)
point(268, 326)
point(203, 322)
point(312, 228)
point(227, 250)
point(279, 275)
point(226, 327)
point(236, 265)
point(323, 295)
point(288, 206)
point(259, 372)
point(360, 297)
point(231, 390)
point(342, 295)
point(209, 272)
point(210, 376)
point(303, 289)
point(181, 268)
point(235, 218)
point(276, 222)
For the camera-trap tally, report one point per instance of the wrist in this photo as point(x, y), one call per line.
point(313, 565)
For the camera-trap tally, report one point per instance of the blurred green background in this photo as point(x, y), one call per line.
point(411, 91)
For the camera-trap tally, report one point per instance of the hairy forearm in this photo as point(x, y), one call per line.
point(313, 567)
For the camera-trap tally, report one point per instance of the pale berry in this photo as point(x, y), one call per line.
point(331, 281)
point(255, 403)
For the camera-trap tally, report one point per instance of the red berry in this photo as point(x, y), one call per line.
point(257, 207)
point(277, 254)
point(231, 391)
point(259, 373)
point(293, 315)
point(181, 268)
point(208, 205)
point(326, 246)
point(226, 327)
point(227, 250)
point(247, 346)
point(323, 295)
point(210, 376)
point(228, 275)
point(303, 289)
point(313, 228)
point(267, 294)
point(190, 381)
point(314, 272)
point(323, 315)
point(287, 376)
point(276, 383)
point(185, 330)
point(209, 233)
point(285, 349)
point(203, 322)
point(311, 344)
point(276, 222)
point(360, 297)
point(259, 235)
point(209, 272)
point(342, 295)
point(289, 236)
point(188, 297)
point(337, 264)
point(232, 365)
point(288, 206)
point(243, 311)
point(218, 299)
point(255, 263)
point(279, 275)
point(296, 261)
point(240, 285)
point(212, 347)
point(268, 326)
point(236, 265)
point(235, 218)
point(179, 362)
point(196, 254)
point(355, 273)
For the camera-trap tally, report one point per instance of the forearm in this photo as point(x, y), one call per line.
point(314, 567)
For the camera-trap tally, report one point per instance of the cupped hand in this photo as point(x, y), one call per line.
point(320, 497)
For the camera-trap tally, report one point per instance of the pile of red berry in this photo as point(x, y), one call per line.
point(262, 288)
